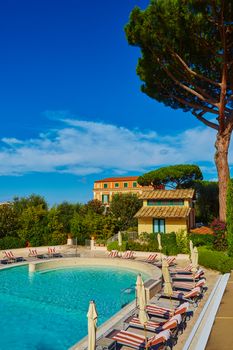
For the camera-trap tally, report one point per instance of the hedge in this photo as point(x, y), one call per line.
point(215, 260)
point(201, 240)
point(9, 242)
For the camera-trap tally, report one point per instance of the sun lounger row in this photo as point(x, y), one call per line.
point(9, 257)
point(52, 253)
point(167, 318)
point(129, 254)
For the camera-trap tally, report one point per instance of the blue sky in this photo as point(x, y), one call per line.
point(71, 107)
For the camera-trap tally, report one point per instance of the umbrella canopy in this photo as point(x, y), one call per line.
point(194, 259)
point(167, 279)
point(92, 320)
point(119, 239)
point(159, 241)
point(141, 297)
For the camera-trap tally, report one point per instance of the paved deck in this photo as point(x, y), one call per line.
point(221, 336)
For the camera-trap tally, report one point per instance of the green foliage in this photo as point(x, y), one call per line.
point(66, 212)
point(207, 204)
point(219, 228)
point(215, 260)
point(123, 208)
point(8, 221)
point(95, 206)
point(10, 242)
point(149, 243)
point(230, 217)
point(201, 240)
point(115, 246)
point(33, 225)
point(175, 176)
point(182, 242)
point(182, 51)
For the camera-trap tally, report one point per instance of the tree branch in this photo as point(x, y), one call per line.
point(193, 92)
point(186, 67)
point(199, 116)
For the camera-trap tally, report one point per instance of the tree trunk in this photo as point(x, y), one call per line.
point(221, 160)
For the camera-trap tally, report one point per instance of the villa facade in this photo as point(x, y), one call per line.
point(166, 211)
point(106, 188)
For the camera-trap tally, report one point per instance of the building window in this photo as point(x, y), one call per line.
point(172, 202)
point(159, 226)
point(125, 184)
point(105, 185)
point(134, 184)
point(116, 184)
point(105, 198)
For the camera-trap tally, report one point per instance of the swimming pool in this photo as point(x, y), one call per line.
point(47, 310)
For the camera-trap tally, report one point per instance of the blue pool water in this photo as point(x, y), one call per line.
point(47, 311)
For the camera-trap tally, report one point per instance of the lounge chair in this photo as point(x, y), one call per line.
point(128, 255)
point(187, 286)
point(151, 258)
point(11, 258)
point(187, 270)
point(154, 310)
point(137, 341)
point(170, 260)
point(172, 324)
point(113, 254)
point(192, 296)
point(53, 253)
point(191, 277)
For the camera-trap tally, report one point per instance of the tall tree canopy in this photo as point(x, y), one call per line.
point(175, 176)
point(187, 63)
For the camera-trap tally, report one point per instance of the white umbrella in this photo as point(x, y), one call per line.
point(141, 298)
point(159, 244)
point(194, 259)
point(191, 248)
point(167, 279)
point(119, 239)
point(92, 321)
point(159, 241)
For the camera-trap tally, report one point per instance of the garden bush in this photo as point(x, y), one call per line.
point(9, 242)
point(230, 217)
point(220, 241)
point(115, 246)
point(201, 240)
point(182, 241)
point(215, 260)
point(148, 242)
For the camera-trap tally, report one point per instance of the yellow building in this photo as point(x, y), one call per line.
point(106, 188)
point(166, 211)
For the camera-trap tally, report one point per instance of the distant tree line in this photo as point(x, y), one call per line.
point(30, 221)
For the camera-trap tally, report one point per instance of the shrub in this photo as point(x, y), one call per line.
point(215, 260)
point(201, 240)
point(182, 241)
point(148, 242)
point(57, 238)
point(9, 242)
point(219, 228)
point(230, 217)
point(115, 246)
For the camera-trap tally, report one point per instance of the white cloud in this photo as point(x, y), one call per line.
point(87, 147)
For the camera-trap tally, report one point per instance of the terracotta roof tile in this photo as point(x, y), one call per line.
point(113, 179)
point(163, 212)
point(168, 194)
point(203, 230)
